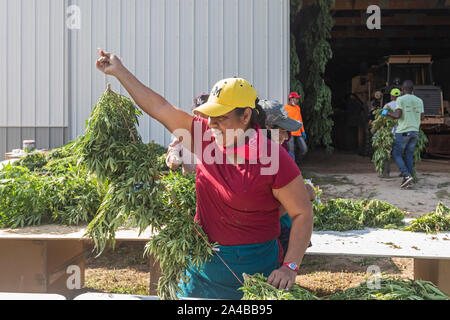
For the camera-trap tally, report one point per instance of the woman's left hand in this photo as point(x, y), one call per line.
point(282, 278)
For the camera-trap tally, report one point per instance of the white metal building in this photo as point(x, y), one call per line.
point(179, 48)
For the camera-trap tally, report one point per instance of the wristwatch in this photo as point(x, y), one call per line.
point(291, 265)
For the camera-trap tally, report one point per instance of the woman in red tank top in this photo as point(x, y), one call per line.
point(238, 183)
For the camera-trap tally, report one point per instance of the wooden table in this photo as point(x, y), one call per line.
point(36, 260)
point(51, 258)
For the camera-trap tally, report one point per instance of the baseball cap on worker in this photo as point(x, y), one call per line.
point(276, 115)
point(396, 92)
point(227, 95)
point(294, 95)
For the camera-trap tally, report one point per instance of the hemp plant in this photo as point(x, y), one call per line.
point(138, 196)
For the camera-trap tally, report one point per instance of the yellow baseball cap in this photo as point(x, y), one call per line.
point(396, 93)
point(227, 95)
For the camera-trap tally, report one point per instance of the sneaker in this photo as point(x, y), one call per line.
point(407, 180)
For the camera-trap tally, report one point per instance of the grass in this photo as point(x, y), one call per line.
point(121, 281)
point(311, 262)
point(122, 271)
point(324, 283)
point(367, 261)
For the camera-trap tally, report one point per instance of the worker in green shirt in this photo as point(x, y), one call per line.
point(410, 113)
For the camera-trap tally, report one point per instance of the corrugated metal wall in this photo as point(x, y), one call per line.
point(176, 47)
point(32, 74)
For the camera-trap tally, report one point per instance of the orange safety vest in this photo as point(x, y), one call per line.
point(295, 113)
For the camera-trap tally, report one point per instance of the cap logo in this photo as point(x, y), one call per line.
point(216, 92)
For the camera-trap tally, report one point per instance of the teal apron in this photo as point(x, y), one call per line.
point(286, 221)
point(215, 281)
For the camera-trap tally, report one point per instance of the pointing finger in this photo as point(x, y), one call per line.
point(103, 53)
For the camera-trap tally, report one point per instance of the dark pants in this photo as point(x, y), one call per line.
point(284, 239)
point(298, 147)
point(405, 143)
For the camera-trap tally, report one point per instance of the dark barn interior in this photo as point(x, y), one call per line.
point(413, 27)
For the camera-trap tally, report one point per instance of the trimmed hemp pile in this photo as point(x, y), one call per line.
point(383, 141)
point(48, 188)
point(437, 221)
point(347, 214)
point(137, 196)
point(392, 289)
point(256, 288)
point(384, 288)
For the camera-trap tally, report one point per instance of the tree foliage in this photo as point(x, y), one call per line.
point(310, 53)
point(296, 85)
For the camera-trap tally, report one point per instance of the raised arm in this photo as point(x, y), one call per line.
point(149, 101)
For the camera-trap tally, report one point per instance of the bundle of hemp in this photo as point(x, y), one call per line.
point(348, 214)
point(31, 198)
point(387, 288)
point(434, 222)
point(256, 288)
point(58, 161)
point(383, 288)
point(137, 195)
point(383, 142)
point(383, 139)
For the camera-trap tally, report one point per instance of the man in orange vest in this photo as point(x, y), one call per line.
point(297, 144)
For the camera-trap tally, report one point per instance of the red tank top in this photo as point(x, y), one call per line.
point(235, 203)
